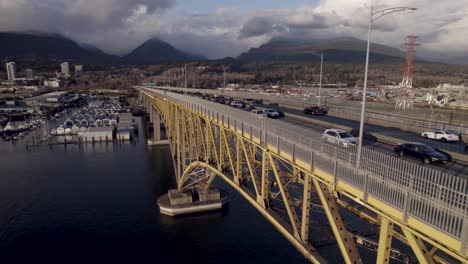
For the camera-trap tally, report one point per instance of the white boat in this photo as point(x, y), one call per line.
point(75, 129)
point(84, 123)
point(67, 131)
point(106, 122)
point(98, 123)
point(60, 131)
point(11, 127)
point(53, 132)
point(68, 123)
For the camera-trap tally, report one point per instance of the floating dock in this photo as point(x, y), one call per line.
point(194, 201)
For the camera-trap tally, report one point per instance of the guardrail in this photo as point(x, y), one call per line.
point(403, 122)
point(434, 197)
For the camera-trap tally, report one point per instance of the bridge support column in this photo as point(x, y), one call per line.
point(418, 247)
point(385, 241)
point(343, 237)
point(156, 119)
point(151, 113)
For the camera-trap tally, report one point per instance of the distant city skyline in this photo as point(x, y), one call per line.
point(222, 28)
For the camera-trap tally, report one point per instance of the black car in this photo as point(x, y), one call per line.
point(220, 100)
point(315, 110)
point(423, 152)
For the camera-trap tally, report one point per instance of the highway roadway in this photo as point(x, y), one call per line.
point(453, 168)
point(387, 131)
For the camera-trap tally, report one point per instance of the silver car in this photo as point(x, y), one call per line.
point(339, 136)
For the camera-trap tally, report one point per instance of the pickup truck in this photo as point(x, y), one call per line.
point(442, 135)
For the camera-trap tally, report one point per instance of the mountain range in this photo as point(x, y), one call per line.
point(53, 47)
point(336, 50)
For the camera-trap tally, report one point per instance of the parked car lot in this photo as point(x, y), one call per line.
point(444, 136)
point(423, 152)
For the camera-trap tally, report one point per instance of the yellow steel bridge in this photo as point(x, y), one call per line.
point(287, 178)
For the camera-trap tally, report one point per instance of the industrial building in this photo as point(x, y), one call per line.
point(55, 98)
point(125, 128)
point(97, 134)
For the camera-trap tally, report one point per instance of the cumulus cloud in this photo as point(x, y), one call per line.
point(117, 26)
point(101, 22)
point(258, 26)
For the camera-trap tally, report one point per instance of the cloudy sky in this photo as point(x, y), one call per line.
point(223, 28)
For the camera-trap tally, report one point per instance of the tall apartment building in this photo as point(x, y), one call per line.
point(78, 69)
point(65, 69)
point(29, 74)
point(11, 71)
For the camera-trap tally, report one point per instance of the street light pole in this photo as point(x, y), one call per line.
point(320, 82)
point(374, 15)
point(185, 75)
point(224, 76)
point(364, 92)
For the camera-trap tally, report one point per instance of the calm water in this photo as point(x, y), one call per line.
point(96, 204)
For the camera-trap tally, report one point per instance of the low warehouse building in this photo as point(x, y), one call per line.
point(98, 134)
point(123, 135)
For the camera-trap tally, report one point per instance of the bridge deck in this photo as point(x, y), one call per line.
point(429, 204)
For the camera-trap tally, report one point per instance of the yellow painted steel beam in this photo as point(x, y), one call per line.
point(415, 227)
point(418, 247)
point(183, 136)
point(306, 249)
point(345, 241)
point(286, 197)
point(306, 200)
point(385, 241)
point(252, 170)
point(227, 150)
point(239, 160)
point(265, 182)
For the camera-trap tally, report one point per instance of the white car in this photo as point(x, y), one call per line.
point(250, 101)
point(442, 135)
point(272, 113)
point(237, 104)
point(339, 136)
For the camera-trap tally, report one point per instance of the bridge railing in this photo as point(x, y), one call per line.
point(434, 197)
point(301, 102)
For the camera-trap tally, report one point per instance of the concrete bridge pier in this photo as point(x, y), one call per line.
point(155, 119)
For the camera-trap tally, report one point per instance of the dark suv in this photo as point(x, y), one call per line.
point(423, 152)
point(315, 110)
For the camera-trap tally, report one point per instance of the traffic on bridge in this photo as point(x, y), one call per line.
point(294, 178)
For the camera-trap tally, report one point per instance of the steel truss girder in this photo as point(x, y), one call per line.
point(385, 241)
point(345, 241)
point(255, 165)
